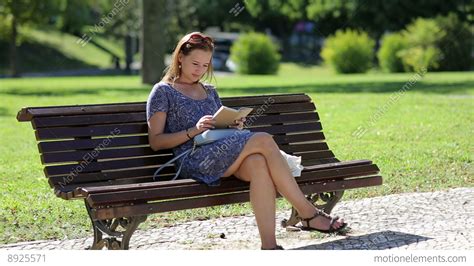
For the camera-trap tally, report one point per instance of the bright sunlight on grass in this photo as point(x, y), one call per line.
point(421, 142)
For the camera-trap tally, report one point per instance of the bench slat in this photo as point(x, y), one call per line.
point(96, 166)
point(138, 117)
point(78, 120)
point(142, 172)
point(114, 130)
point(101, 130)
point(316, 155)
point(337, 165)
point(28, 113)
point(161, 193)
point(111, 177)
point(105, 165)
point(120, 181)
point(109, 174)
point(299, 137)
point(308, 162)
point(77, 191)
point(76, 156)
point(175, 205)
point(104, 130)
point(84, 144)
point(119, 163)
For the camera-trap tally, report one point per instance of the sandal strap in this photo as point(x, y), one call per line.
point(311, 218)
point(321, 213)
point(318, 213)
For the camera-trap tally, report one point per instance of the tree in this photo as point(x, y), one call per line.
point(152, 44)
point(23, 12)
point(126, 26)
point(171, 19)
point(75, 15)
point(278, 15)
point(377, 17)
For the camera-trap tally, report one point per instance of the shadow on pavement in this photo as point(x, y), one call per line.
point(374, 241)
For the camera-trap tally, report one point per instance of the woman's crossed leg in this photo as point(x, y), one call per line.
point(262, 164)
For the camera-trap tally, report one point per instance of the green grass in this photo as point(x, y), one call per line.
point(421, 142)
point(43, 50)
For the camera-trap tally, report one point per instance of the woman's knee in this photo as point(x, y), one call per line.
point(264, 141)
point(252, 166)
point(255, 161)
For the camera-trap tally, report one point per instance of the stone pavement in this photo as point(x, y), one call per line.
point(434, 220)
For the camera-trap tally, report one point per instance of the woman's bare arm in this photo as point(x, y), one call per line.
point(159, 140)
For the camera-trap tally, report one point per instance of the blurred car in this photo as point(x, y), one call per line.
point(219, 60)
point(222, 43)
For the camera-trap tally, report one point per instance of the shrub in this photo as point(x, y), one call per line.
point(389, 53)
point(349, 51)
point(5, 29)
point(255, 53)
point(422, 53)
point(455, 45)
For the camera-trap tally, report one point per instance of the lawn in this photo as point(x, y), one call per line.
point(422, 141)
point(43, 50)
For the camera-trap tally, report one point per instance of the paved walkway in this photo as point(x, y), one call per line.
point(435, 220)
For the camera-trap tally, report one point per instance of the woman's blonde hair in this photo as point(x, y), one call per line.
point(187, 44)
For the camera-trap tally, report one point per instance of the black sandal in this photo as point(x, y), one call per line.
point(321, 213)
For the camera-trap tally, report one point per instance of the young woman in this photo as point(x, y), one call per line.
point(181, 107)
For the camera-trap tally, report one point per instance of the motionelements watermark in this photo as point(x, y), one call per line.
point(88, 158)
point(419, 259)
point(394, 98)
point(119, 5)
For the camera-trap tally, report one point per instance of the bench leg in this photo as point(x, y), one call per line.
point(110, 228)
point(329, 200)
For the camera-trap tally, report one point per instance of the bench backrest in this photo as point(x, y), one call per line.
point(107, 144)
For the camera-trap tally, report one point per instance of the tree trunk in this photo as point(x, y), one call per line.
point(128, 54)
point(13, 49)
point(152, 44)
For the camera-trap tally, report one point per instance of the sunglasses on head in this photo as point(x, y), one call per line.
point(198, 39)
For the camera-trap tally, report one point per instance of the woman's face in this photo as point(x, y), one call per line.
point(195, 64)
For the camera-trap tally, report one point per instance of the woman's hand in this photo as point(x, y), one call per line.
point(206, 122)
point(239, 124)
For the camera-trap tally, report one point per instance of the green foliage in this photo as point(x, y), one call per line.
point(76, 15)
point(444, 43)
point(377, 17)
point(30, 11)
point(255, 53)
point(278, 16)
point(422, 37)
point(349, 51)
point(456, 45)
point(5, 28)
point(389, 52)
point(16, 13)
point(292, 9)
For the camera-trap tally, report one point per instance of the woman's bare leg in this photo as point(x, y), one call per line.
point(264, 144)
point(262, 196)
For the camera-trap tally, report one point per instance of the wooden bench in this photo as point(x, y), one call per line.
point(100, 153)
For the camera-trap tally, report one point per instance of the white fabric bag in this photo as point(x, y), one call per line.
point(294, 162)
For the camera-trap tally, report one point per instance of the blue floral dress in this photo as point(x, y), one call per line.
point(207, 163)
